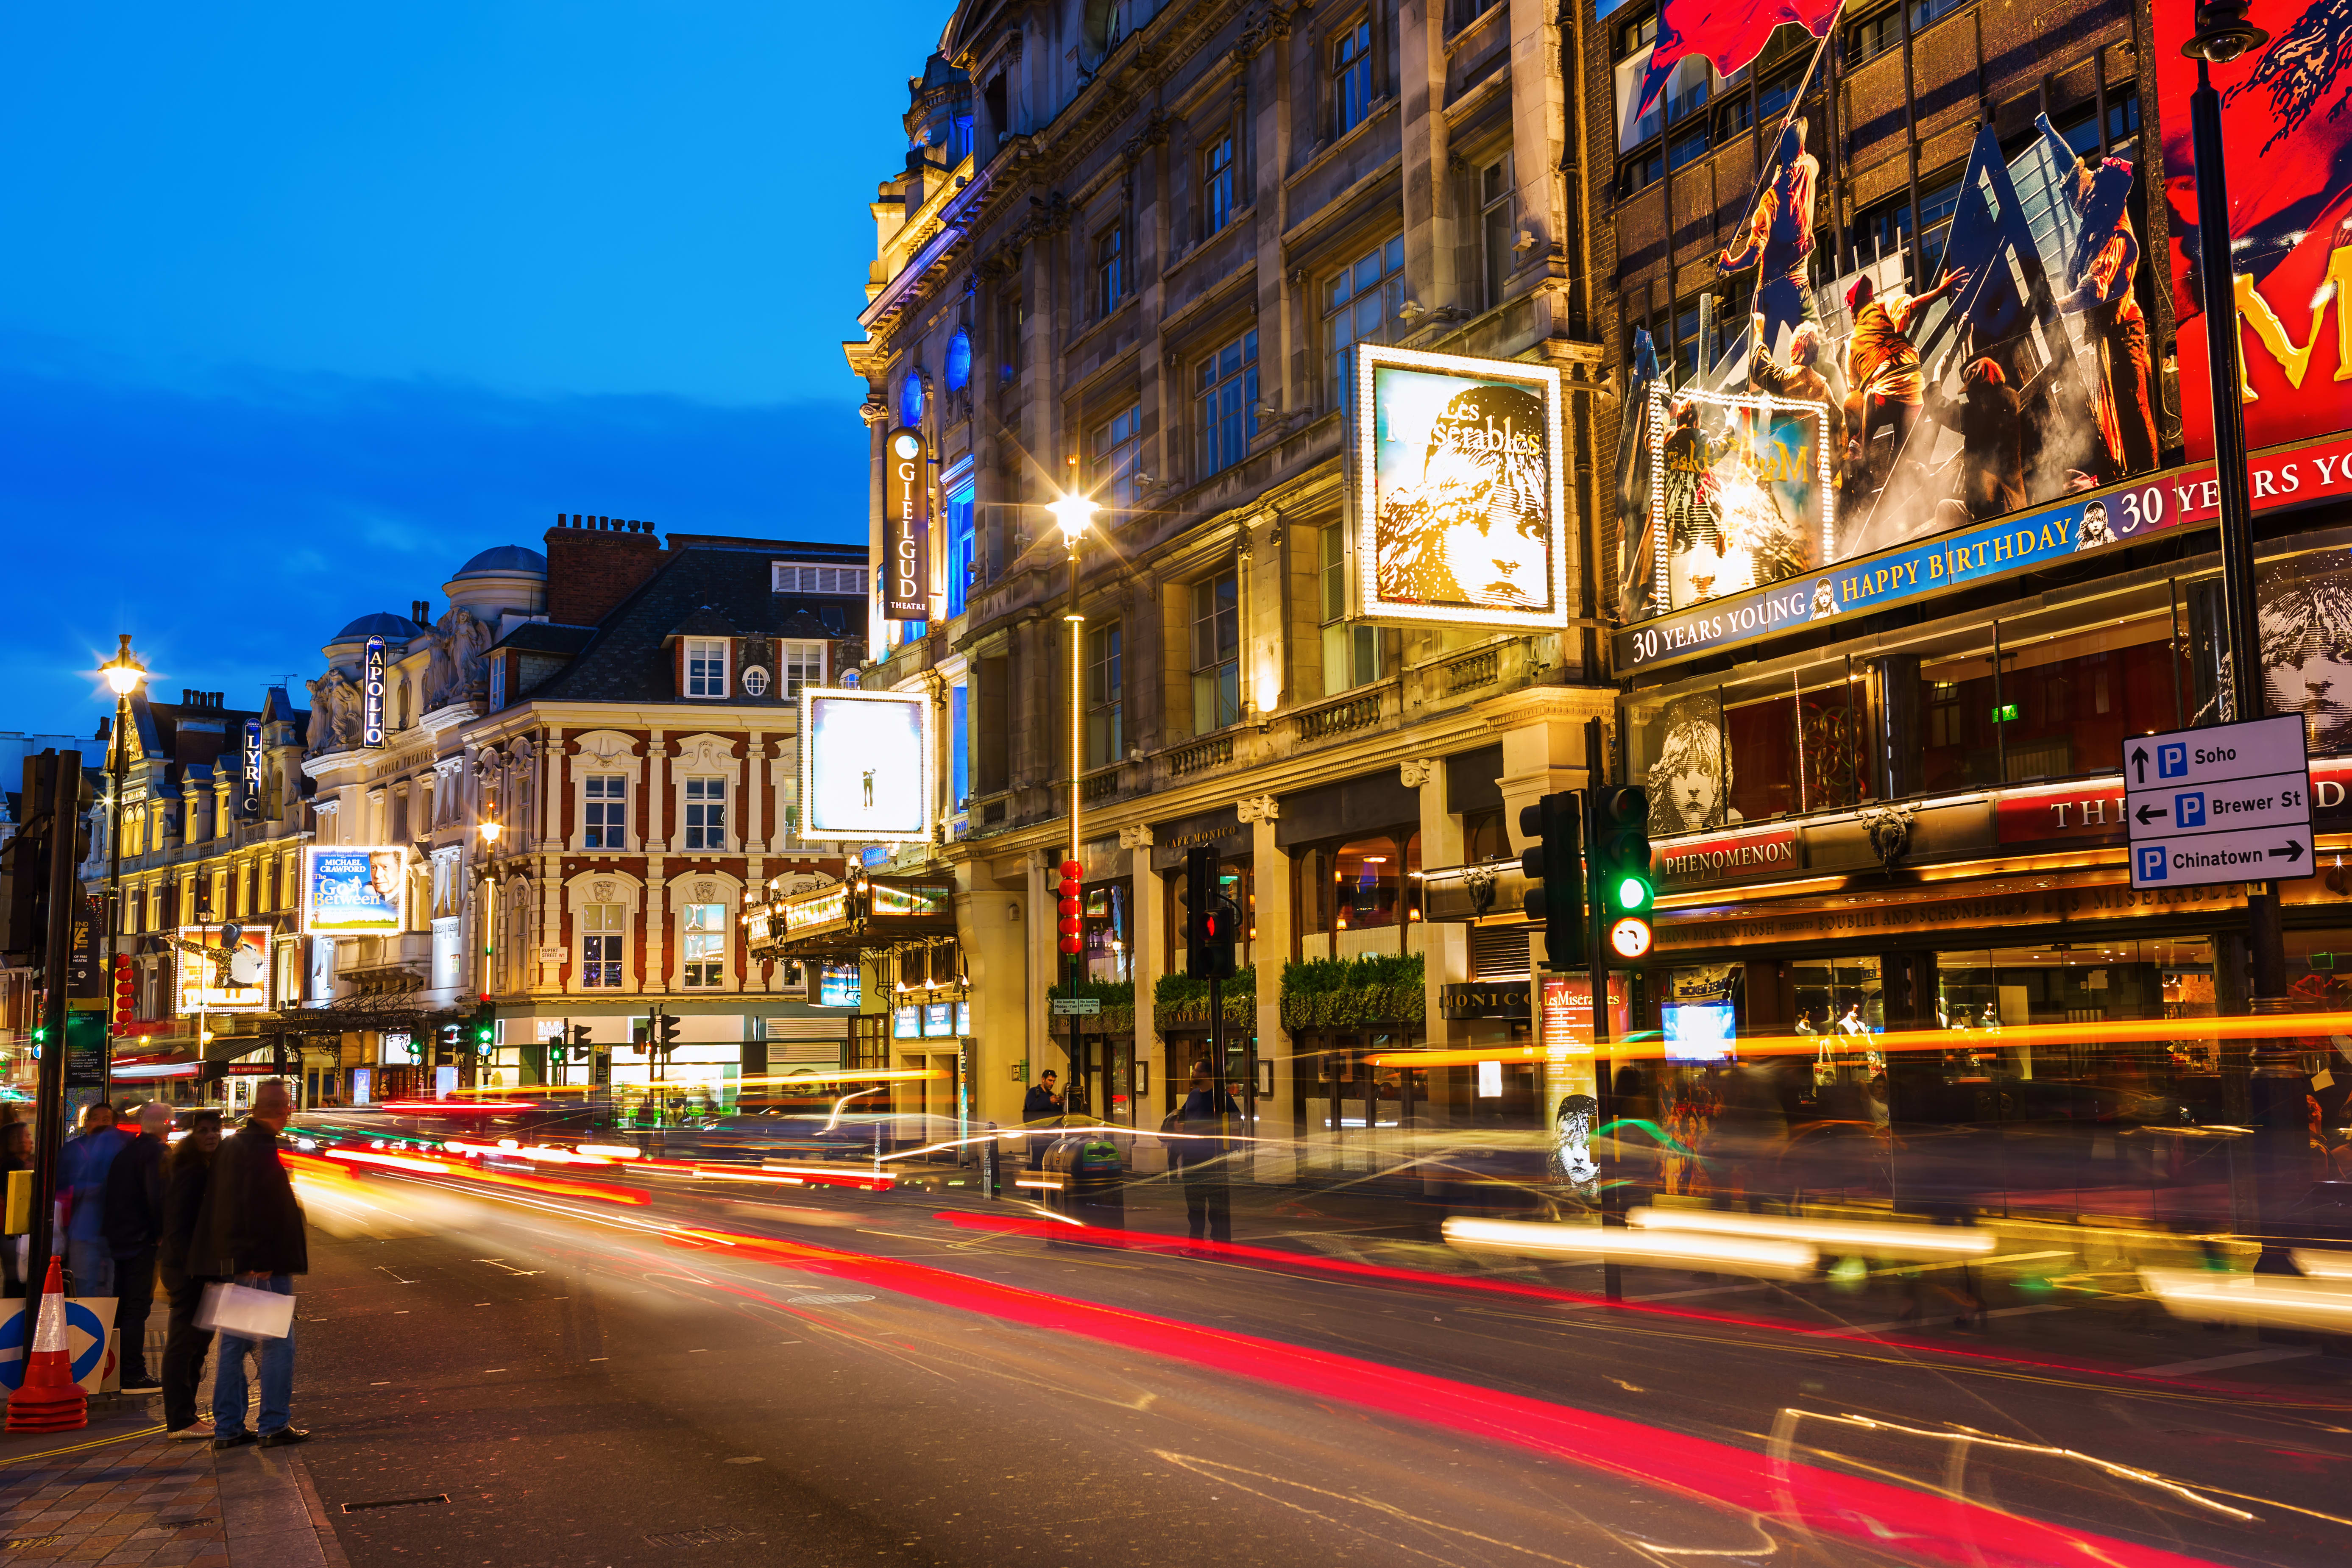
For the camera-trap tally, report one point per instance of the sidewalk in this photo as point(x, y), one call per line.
point(118, 1493)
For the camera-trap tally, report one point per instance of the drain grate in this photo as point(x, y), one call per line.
point(396, 1503)
point(713, 1536)
point(825, 1298)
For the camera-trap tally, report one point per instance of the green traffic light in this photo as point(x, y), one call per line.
point(1632, 893)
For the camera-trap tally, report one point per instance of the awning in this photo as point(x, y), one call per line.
point(142, 1072)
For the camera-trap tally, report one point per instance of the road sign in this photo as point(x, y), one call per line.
point(1077, 1006)
point(2230, 803)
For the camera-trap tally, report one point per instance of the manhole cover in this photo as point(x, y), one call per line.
point(396, 1503)
point(713, 1536)
point(825, 1298)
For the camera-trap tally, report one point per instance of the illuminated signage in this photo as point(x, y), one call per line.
point(249, 805)
point(371, 695)
point(938, 1020)
point(1459, 491)
point(352, 891)
point(865, 765)
point(906, 521)
point(827, 907)
point(907, 1023)
point(227, 972)
point(837, 985)
point(1741, 493)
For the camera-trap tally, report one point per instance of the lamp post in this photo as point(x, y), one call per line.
point(1073, 514)
point(123, 675)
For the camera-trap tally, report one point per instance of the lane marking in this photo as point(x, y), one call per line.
point(2218, 1363)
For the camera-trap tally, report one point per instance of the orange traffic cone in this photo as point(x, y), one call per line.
point(49, 1400)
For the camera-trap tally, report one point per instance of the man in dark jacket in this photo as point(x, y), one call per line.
point(134, 1224)
point(1041, 1107)
point(251, 1231)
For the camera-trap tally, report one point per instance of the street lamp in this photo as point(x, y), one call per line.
point(123, 675)
point(489, 832)
point(1073, 514)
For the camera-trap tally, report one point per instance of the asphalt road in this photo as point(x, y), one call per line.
point(844, 1377)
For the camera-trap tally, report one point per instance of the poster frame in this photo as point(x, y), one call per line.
point(810, 828)
point(311, 853)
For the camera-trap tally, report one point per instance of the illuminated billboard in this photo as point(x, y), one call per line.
point(865, 765)
point(1460, 506)
point(2287, 148)
point(350, 891)
point(1742, 496)
point(221, 969)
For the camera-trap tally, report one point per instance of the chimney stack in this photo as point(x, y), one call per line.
point(594, 563)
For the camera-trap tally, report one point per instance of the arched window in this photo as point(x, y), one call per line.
point(959, 360)
point(910, 401)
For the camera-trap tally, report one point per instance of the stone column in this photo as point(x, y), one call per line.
point(1445, 948)
point(1276, 1160)
point(1148, 961)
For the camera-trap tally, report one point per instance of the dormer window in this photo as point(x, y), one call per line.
point(706, 667)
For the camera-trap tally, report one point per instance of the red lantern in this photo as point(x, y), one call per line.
point(121, 961)
point(1070, 944)
point(1069, 906)
point(1070, 927)
point(1073, 869)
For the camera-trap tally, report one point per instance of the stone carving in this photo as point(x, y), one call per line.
point(1257, 808)
point(705, 892)
point(1890, 833)
point(1416, 772)
point(604, 892)
point(459, 667)
point(334, 714)
point(1136, 838)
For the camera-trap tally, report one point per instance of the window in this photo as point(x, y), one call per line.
point(1687, 148)
point(2123, 117)
point(498, 682)
point(600, 946)
point(706, 813)
point(399, 815)
point(959, 547)
point(804, 664)
point(1882, 228)
point(1012, 325)
point(911, 400)
point(1110, 271)
point(1351, 77)
point(1923, 11)
point(793, 578)
point(1217, 185)
point(959, 746)
point(1359, 304)
point(1936, 205)
point(1734, 117)
point(1225, 391)
point(705, 667)
point(1775, 95)
point(1352, 654)
point(1498, 224)
point(1105, 743)
point(1647, 167)
point(705, 944)
point(755, 681)
point(1111, 462)
point(606, 804)
point(1216, 653)
point(1873, 36)
point(1635, 36)
point(1686, 342)
point(958, 363)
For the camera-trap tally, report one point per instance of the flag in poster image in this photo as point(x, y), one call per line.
point(1459, 506)
point(371, 695)
point(2287, 147)
point(353, 892)
point(1728, 32)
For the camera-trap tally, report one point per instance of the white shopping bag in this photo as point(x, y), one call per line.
point(247, 1313)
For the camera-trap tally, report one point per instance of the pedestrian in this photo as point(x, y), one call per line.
point(134, 1224)
point(81, 1181)
point(251, 1231)
point(15, 1154)
point(189, 1173)
point(1041, 1108)
point(1208, 1211)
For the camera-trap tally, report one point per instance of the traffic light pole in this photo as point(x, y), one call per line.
point(48, 1127)
point(1604, 1070)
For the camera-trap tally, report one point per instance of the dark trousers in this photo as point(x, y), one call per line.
point(183, 1349)
point(134, 1298)
point(1208, 1211)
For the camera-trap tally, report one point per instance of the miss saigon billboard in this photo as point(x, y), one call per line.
point(1459, 491)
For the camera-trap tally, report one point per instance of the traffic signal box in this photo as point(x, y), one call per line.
point(1211, 922)
point(1553, 864)
point(1623, 892)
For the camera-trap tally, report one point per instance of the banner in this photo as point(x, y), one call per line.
point(906, 522)
point(371, 695)
point(354, 892)
point(1460, 505)
point(2287, 148)
point(866, 765)
point(221, 969)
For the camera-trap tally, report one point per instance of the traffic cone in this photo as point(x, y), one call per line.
point(49, 1400)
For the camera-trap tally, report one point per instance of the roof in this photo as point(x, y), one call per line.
point(547, 636)
point(502, 561)
point(382, 624)
point(705, 622)
point(626, 659)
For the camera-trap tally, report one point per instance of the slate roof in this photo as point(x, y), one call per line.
point(625, 660)
point(548, 636)
point(705, 622)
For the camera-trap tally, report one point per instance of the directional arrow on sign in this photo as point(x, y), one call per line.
point(2292, 851)
point(2147, 813)
point(2139, 761)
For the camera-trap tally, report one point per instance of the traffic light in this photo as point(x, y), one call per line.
point(1620, 868)
point(1073, 923)
point(40, 1038)
point(52, 791)
point(446, 1049)
point(1554, 867)
point(482, 1033)
point(1211, 922)
point(665, 1030)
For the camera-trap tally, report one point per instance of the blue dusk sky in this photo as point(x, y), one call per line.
point(302, 306)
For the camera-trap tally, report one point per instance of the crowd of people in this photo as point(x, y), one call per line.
point(139, 1207)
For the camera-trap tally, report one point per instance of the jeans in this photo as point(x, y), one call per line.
point(1208, 1211)
point(134, 1298)
point(91, 1265)
point(276, 1362)
point(184, 1349)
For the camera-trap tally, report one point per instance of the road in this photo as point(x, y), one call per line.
point(736, 1374)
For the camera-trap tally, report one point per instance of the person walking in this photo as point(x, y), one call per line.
point(185, 1181)
point(82, 1166)
point(1208, 1211)
point(133, 1225)
point(1041, 1107)
point(251, 1231)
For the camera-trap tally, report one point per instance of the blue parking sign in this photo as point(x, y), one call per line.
point(2189, 810)
point(2172, 759)
point(2151, 862)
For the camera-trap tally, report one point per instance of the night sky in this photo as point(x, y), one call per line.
point(302, 306)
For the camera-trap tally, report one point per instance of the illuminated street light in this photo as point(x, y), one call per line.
point(124, 675)
point(1073, 514)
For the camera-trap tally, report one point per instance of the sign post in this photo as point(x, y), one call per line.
point(2230, 803)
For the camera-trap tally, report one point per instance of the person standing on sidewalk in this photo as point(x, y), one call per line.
point(190, 1173)
point(251, 1231)
point(134, 1224)
point(81, 1181)
point(1205, 1117)
point(1041, 1107)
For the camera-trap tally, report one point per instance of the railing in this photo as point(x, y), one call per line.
point(1479, 670)
point(1358, 713)
point(1200, 756)
point(1099, 785)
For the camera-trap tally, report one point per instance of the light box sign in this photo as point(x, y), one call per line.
point(1743, 496)
point(1460, 505)
point(866, 765)
point(250, 804)
point(231, 975)
point(352, 891)
point(371, 695)
point(906, 502)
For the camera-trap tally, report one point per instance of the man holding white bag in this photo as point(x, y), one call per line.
point(250, 1232)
